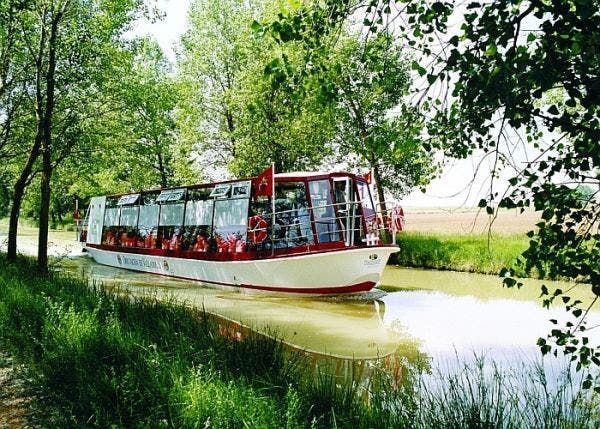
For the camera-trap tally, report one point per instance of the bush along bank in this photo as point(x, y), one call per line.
point(117, 361)
point(472, 253)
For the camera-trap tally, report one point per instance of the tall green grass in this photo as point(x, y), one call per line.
point(117, 361)
point(471, 253)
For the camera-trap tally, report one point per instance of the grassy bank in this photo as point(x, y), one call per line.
point(109, 361)
point(459, 252)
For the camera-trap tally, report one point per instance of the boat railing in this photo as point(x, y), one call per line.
point(389, 220)
point(325, 223)
point(346, 221)
point(81, 227)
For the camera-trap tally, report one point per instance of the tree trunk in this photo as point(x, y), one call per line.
point(379, 188)
point(46, 125)
point(385, 236)
point(44, 209)
point(161, 170)
point(18, 194)
point(13, 224)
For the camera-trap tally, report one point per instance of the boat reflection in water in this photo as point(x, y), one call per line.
point(347, 327)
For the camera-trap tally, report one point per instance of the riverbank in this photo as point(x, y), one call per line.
point(125, 362)
point(111, 360)
point(475, 253)
point(465, 240)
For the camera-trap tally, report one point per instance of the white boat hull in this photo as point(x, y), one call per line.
point(328, 272)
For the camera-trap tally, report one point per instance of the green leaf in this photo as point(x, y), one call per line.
point(491, 50)
point(256, 26)
point(416, 66)
point(553, 110)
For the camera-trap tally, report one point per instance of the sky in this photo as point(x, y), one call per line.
point(456, 186)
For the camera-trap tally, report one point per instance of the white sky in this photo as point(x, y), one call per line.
point(451, 189)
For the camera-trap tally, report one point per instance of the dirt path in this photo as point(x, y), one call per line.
point(15, 402)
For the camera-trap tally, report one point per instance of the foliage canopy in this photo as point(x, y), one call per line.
point(502, 77)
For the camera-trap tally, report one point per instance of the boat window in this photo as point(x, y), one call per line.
point(129, 216)
point(231, 220)
point(149, 198)
point(111, 202)
point(128, 199)
point(199, 212)
point(220, 191)
point(170, 195)
point(111, 216)
point(323, 212)
point(241, 190)
point(292, 215)
point(366, 202)
point(198, 220)
point(148, 221)
point(199, 194)
point(170, 231)
point(171, 214)
point(111, 224)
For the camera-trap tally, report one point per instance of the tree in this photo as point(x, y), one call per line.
point(487, 80)
point(149, 98)
point(216, 49)
point(236, 118)
point(69, 44)
point(372, 120)
point(296, 135)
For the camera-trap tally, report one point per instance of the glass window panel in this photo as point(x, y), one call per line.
point(320, 194)
point(150, 198)
point(111, 216)
point(164, 196)
point(220, 191)
point(176, 194)
point(171, 214)
point(365, 198)
point(292, 218)
point(325, 222)
point(199, 212)
point(129, 216)
point(199, 194)
point(241, 190)
point(148, 219)
point(231, 217)
point(128, 199)
point(111, 202)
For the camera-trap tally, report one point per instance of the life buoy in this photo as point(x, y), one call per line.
point(398, 218)
point(257, 229)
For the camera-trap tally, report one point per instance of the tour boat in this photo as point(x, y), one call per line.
point(303, 233)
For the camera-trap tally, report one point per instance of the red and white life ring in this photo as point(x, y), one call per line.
point(257, 229)
point(397, 216)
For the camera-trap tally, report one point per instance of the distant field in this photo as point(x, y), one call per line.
point(457, 239)
point(469, 221)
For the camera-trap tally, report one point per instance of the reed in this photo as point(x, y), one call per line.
point(107, 360)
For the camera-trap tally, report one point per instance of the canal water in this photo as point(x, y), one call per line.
point(439, 316)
